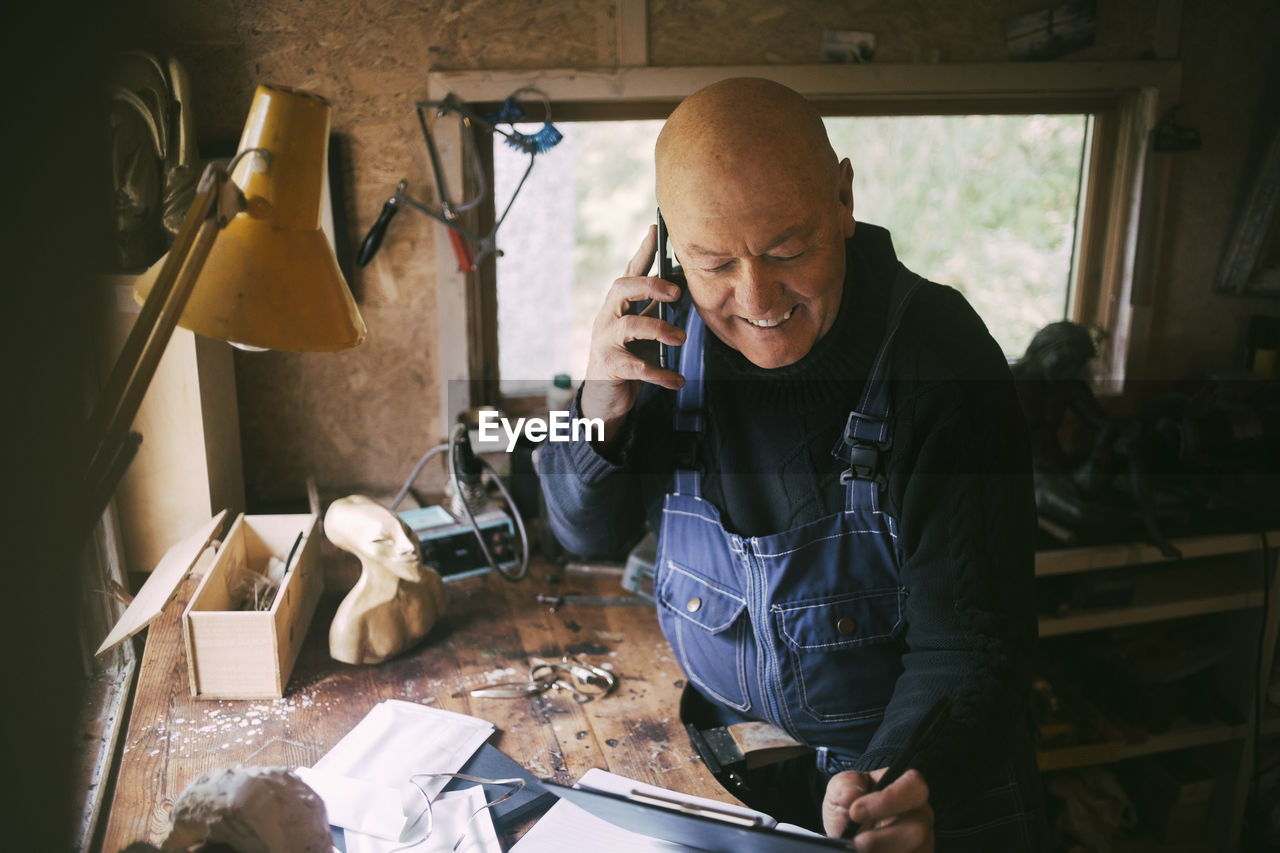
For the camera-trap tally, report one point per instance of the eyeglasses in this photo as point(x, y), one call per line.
point(574, 674)
point(419, 827)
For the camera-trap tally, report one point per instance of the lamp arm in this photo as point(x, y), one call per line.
point(122, 394)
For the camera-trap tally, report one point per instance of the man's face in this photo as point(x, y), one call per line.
point(764, 257)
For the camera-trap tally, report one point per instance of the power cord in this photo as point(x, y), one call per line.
point(1261, 680)
point(464, 494)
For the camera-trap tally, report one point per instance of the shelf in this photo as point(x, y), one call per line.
point(1183, 734)
point(1217, 574)
point(1163, 593)
point(1143, 844)
point(1054, 626)
point(1068, 561)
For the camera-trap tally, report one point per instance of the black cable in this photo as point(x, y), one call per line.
point(417, 469)
point(1259, 698)
point(475, 466)
point(466, 509)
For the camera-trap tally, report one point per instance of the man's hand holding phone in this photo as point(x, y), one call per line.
point(614, 369)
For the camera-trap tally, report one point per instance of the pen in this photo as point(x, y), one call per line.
point(925, 729)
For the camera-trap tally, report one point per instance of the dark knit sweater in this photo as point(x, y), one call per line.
point(958, 481)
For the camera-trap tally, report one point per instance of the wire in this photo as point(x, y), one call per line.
point(417, 469)
point(450, 446)
point(475, 528)
point(469, 142)
point(1261, 679)
point(515, 786)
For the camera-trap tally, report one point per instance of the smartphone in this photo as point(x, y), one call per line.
point(655, 352)
point(666, 269)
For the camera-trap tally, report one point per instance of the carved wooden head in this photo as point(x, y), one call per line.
point(375, 534)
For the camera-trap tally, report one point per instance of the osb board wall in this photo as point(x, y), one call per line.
point(726, 32)
point(1231, 96)
point(359, 419)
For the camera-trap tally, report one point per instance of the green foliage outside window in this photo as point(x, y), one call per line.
point(984, 203)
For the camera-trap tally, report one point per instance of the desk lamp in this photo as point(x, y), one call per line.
point(250, 265)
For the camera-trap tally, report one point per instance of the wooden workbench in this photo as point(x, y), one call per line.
point(491, 630)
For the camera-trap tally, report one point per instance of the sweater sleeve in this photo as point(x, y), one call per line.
point(593, 502)
point(960, 477)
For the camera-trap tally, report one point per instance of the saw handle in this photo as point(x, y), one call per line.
point(372, 240)
point(461, 251)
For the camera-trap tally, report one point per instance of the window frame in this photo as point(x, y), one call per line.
point(1119, 225)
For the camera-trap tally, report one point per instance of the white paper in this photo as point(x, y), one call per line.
point(398, 739)
point(355, 804)
point(452, 814)
point(566, 821)
point(798, 830)
point(566, 825)
point(603, 780)
point(364, 779)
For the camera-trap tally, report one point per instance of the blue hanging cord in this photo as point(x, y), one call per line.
point(510, 112)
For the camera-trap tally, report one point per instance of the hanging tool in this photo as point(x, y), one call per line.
point(448, 211)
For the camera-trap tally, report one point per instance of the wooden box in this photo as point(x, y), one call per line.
point(249, 654)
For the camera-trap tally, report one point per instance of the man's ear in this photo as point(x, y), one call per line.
point(845, 194)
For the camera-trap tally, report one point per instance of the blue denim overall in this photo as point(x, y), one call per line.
point(804, 628)
point(801, 628)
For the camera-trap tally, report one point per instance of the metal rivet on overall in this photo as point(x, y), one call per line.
point(694, 605)
point(847, 626)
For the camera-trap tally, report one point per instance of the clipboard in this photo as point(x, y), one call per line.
point(697, 825)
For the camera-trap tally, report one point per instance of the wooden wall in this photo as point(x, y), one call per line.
point(1231, 95)
point(358, 420)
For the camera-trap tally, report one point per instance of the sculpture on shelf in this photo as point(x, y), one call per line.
point(1199, 453)
point(1099, 480)
point(396, 600)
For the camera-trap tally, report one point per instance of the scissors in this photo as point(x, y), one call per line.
point(572, 674)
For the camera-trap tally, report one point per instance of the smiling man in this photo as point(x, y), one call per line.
point(762, 243)
point(839, 477)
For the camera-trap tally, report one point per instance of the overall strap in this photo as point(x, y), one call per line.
point(867, 431)
point(690, 415)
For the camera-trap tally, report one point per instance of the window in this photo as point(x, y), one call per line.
point(985, 203)
point(578, 219)
point(1058, 237)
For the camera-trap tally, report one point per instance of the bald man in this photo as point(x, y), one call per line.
point(839, 477)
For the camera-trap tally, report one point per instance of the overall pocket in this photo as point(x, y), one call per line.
point(706, 625)
point(845, 652)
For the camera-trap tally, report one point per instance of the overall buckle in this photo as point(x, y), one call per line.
point(685, 453)
point(864, 461)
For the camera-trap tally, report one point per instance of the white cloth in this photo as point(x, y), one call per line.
point(364, 778)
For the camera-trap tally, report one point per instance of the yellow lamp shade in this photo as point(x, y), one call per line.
point(271, 280)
